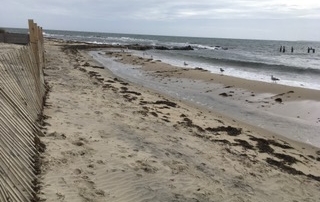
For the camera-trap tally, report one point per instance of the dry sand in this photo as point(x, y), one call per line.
point(5, 47)
point(110, 140)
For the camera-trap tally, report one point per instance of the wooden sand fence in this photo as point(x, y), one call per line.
point(22, 91)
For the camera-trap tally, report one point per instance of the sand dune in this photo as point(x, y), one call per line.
point(111, 140)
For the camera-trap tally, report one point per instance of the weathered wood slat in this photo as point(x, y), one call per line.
point(22, 90)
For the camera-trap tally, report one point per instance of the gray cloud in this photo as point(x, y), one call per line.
point(232, 9)
point(172, 9)
point(154, 16)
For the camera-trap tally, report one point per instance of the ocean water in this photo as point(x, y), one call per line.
point(250, 59)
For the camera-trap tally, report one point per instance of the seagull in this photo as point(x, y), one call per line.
point(221, 70)
point(274, 78)
point(185, 64)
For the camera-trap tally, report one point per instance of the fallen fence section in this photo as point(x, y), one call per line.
point(15, 38)
point(22, 90)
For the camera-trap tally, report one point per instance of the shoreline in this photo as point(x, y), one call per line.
point(206, 76)
point(291, 104)
point(110, 139)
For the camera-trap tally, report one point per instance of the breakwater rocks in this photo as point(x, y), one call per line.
point(141, 47)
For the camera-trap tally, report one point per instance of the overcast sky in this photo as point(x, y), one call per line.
point(250, 19)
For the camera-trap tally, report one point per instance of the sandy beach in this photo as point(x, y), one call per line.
point(5, 47)
point(108, 139)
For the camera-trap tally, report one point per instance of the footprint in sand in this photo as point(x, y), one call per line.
point(132, 155)
point(98, 112)
point(145, 166)
point(60, 196)
point(175, 166)
point(101, 162)
point(78, 143)
point(77, 171)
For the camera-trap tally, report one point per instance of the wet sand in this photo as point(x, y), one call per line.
point(287, 111)
point(109, 139)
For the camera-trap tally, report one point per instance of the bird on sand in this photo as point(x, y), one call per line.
point(274, 78)
point(221, 70)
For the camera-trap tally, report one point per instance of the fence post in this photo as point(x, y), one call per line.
point(42, 47)
point(33, 32)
